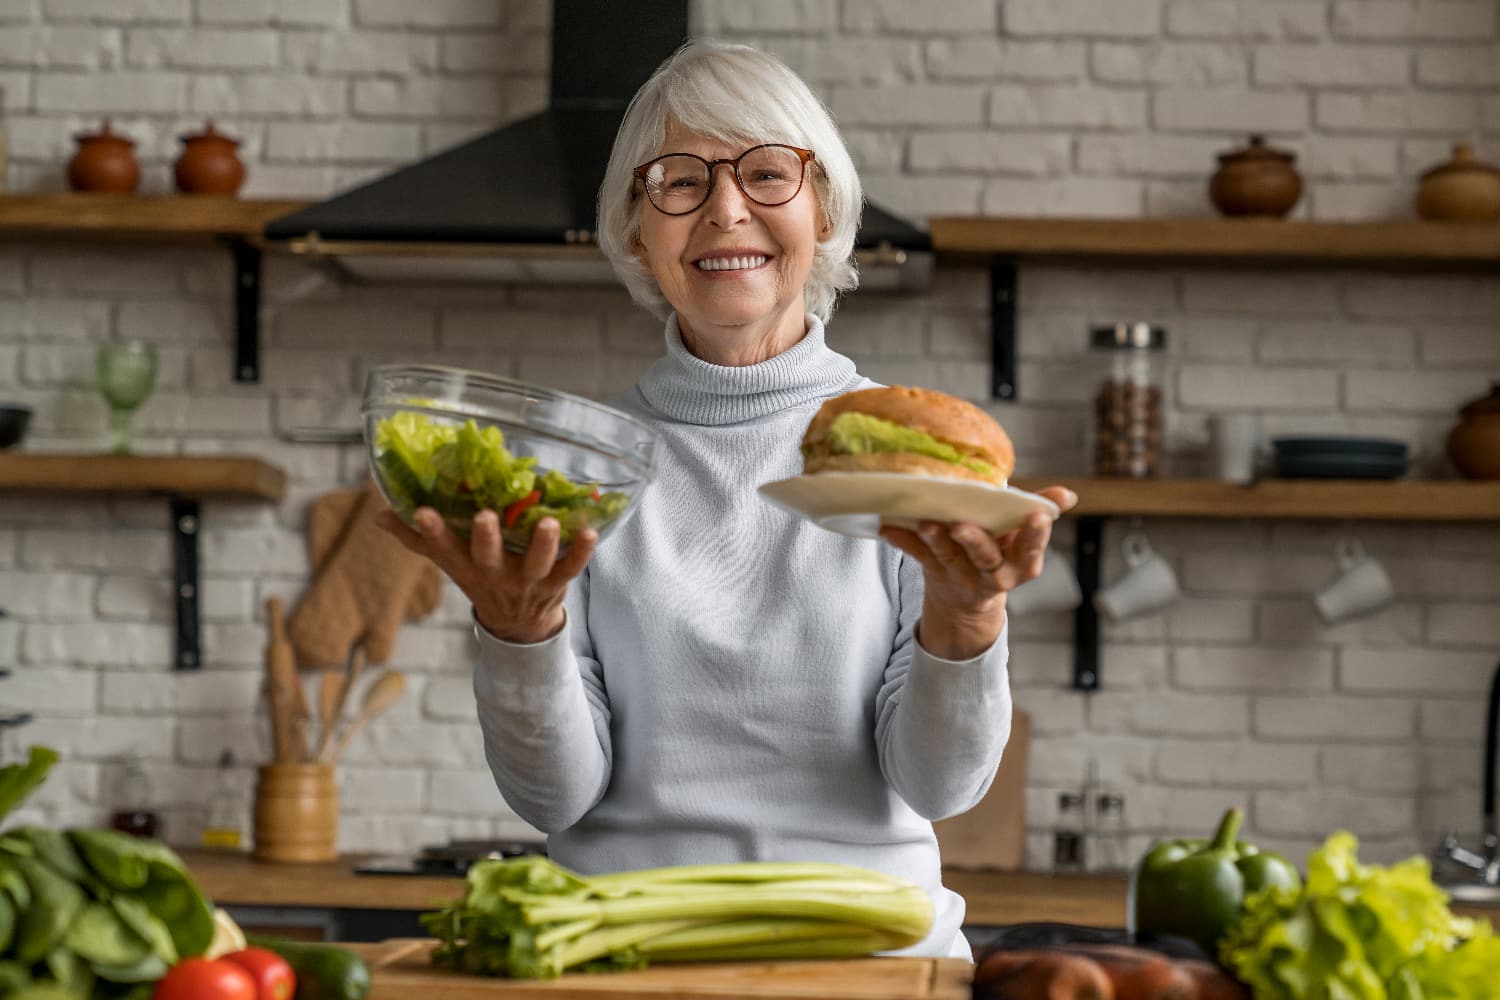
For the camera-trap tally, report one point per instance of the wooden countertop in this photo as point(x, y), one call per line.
point(401, 969)
point(1040, 897)
point(993, 897)
point(236, 877)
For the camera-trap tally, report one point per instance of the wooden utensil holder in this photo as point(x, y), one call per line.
point(296, 813)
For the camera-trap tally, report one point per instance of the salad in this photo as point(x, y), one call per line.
point(459, 470)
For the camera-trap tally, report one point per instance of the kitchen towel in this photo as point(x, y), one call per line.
point(365, 584)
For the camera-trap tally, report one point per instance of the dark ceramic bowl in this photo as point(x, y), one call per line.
point(13, 421)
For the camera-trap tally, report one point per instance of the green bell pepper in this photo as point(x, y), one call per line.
point(1195, 888)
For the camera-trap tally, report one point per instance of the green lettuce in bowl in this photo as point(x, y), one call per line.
point(460, 468)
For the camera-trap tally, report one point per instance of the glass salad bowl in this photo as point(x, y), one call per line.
point(462, 441)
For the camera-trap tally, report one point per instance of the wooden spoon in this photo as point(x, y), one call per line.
point(333, 692)
point(384, 693)
point(329, 682)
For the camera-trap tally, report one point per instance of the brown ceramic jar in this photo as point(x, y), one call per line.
point(1256, 180)
point(105, 162)
point(1464, 188)
point(1474, 443)
point(209, 164)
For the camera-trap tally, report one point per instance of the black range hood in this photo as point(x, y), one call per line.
point(519, 203)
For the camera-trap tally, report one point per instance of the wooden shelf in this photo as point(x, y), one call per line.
point(1259, 241)
point(193, 220)
point(173, 219)
point(1356, 499)
point(190, 476)
point(1322, 499)
point(182, 479)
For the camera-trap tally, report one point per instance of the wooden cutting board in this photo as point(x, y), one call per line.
point(401, 969)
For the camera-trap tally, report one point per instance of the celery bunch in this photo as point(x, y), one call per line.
point(530, 918)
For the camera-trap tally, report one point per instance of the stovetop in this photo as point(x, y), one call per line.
point(452, 858)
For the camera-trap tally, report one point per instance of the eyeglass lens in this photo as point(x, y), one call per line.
point(769, 175)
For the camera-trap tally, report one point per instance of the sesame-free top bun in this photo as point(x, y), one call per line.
point(970, 430)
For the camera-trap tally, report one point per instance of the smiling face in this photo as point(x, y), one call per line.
point(734, 270)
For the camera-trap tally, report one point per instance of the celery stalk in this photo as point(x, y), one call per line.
point(851, 946)
point(744, 933)
point(887, 908)
point(528, 917)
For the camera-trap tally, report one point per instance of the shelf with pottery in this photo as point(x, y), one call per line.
point(1253, 189)
point(183, 479)
point(1005, 243)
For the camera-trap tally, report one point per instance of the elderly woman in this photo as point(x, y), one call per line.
point(724, 681)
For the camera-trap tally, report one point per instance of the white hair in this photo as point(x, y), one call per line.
point(731, 93)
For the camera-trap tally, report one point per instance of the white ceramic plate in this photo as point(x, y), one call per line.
point(859, 503)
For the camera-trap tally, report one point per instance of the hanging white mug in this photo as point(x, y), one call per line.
point(1361, 586)
point(1148, 584)
point(1055, 589)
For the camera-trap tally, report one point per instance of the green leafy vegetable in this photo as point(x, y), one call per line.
point(89, 914)
point(19, 780)
point(528, 917)
point(461, 469)
point(1360, 932)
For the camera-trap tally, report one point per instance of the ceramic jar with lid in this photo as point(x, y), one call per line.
point(1474, 443)
point(1463, 188)
point(1256, 180)
point(105, 162)
point(209, 163)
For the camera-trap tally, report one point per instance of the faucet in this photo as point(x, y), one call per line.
point(1483, 866)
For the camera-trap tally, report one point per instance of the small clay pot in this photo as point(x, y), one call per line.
point(105, 162)
point(209, 164)
point(1465, 188)
point(1256, 180)
point(1474, 443)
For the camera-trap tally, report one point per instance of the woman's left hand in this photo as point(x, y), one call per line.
point(967, 572)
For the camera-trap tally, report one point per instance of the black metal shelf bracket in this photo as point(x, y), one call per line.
point(1003, 328)
point(185, 529)
point(1089, 536)
point(247, 268)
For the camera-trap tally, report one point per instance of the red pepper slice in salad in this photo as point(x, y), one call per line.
point(514, 511)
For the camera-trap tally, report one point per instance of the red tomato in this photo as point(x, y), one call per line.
point(202, 979)
point(274, 978)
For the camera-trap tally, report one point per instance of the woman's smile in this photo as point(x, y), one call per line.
point(736, 262)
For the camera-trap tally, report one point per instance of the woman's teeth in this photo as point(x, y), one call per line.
point(730, 263)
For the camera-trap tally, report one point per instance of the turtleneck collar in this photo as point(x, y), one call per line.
point(687, 388)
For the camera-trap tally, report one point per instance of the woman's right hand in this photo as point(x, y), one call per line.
point(516, 597)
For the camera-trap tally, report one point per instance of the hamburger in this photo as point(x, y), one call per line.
point(907, 430)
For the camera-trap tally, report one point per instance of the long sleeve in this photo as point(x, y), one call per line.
point(545, 717)
point(940, 725)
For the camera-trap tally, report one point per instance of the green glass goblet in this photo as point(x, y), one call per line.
point(126, 374)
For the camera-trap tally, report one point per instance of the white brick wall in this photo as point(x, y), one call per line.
point(1237, 694)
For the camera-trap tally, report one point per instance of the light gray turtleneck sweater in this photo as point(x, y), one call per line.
point(735, 683)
